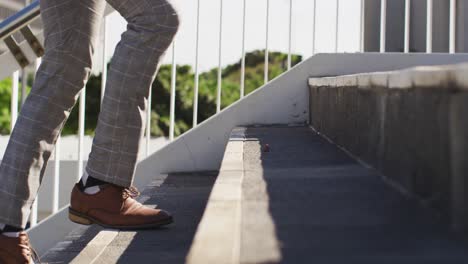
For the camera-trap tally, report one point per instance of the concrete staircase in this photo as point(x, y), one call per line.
point(377, 177)
point(283, 195)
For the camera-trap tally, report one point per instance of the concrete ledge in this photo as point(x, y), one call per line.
point(410, 124)
point(217, 239)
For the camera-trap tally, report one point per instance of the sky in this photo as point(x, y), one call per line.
point(302, 28)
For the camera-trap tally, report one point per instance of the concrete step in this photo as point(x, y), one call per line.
point(185, 195)
point(304, 200)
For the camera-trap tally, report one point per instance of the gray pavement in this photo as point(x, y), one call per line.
point(328, 208)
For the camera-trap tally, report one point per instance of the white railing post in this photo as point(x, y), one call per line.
point(33, 218)
point(148, 121)
point(453, 26)
point(407, 25)
point(337, 25)
point(104, 57)
point(220, 70)
point(24, 85)
point(383, 25)
point(290, 34)
point(362, 26)
point(314, 27)
point(242, 84)
point(81, 129)
point(14, 99)
point(173, 92)
point(195, 93)
point(267, 40)
point(429, 24)
point(56, 179)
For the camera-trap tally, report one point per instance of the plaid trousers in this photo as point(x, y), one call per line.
point(71, 28)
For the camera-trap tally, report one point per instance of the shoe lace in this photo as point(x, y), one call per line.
point(130, 192)
point(35, 256)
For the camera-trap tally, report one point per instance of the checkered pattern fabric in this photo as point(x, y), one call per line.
point(71, 28)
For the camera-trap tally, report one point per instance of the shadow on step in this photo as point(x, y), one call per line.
point(184, 195)
point(325, 207)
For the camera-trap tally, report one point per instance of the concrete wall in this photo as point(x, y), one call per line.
point(410, 125)
point(396, 20)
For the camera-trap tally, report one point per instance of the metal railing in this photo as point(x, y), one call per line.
point(19, 20)
point(24, 17)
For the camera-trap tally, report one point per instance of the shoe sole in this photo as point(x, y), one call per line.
point(83, 219)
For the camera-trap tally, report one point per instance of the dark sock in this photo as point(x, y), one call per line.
point(90, 182)
point(11, 229)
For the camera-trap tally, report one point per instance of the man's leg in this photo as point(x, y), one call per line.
point(70, 28)
point(152, 25)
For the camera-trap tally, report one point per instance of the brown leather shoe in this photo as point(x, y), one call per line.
point(16, 250)
point(115, 207)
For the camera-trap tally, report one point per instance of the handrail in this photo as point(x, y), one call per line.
point(19, 20)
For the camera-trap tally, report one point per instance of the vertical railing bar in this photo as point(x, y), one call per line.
point(242, 84)
point(104, 57)
point(290, 34)
point(453, 26)
point(81, 128)
point(34, 209)
point(220, 70)
point(173, 92)
point(407, 25)
point(267, 40)
point(148, 121)
point(314, 27)
point(14, 98)
point(56, 182)
point(195, 93)
point(429, 25)
point(361, 29)
point(383, 25)
point(337, 25)
point(24, 85)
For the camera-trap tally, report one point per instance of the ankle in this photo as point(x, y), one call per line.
point(10, 231)
point(90, 185)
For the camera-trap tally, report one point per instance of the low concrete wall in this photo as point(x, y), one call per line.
point(411, 125)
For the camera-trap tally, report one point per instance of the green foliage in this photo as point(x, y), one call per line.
point(160, 120)
point(254, 78)
point(5, 112)
point(5, 104)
